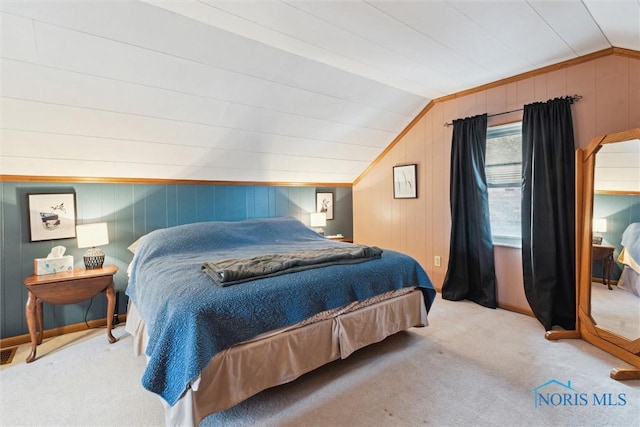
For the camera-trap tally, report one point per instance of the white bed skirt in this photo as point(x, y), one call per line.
point(276, 358)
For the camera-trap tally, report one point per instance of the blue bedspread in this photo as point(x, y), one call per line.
point(190, 318)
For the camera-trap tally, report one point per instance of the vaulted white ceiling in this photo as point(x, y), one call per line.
point(269, 91)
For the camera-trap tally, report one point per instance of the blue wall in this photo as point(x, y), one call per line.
point(132, 210)
point(619, 211)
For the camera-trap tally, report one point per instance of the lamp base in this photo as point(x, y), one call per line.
point(93, 259)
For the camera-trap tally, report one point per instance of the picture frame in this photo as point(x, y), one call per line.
point(52, 216)
point(405, 183)
point(324, 203)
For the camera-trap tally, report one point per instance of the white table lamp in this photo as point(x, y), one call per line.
point(90, 236)
point(599, 226)
point(317, 220)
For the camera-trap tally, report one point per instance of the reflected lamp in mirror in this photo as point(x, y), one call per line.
point(90, 236)
point(599, 226)
point(317, 220)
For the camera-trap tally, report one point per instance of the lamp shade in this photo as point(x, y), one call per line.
point(599, 225)
point(92, 235)
point(318, 219)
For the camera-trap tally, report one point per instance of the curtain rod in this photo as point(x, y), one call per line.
point(573, 99)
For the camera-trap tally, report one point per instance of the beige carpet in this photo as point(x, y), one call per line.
point(471, 367)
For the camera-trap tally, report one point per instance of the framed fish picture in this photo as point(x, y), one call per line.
point(52, 216)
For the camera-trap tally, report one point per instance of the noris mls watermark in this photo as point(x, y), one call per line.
point(554, 393)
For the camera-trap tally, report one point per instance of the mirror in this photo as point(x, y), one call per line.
point(617, 174)
point(616, 213)
point(608, 271)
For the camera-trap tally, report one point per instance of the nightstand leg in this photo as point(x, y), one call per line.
point(607, 269)
point(32, 324)
point(40, 321)
point(111, 305)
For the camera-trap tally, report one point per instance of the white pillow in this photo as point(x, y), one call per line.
point(132, 247)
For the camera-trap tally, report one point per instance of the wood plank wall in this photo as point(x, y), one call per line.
point(610, 85)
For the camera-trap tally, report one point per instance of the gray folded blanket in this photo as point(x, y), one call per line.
point(233, 271)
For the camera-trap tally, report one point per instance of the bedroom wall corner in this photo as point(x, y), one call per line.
point(610, 88)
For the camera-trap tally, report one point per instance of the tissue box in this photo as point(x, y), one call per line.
point(52, 265)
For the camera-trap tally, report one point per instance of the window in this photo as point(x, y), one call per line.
point(503, 168)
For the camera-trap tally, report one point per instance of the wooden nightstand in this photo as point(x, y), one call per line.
point(604, 253)
point(340, 239)
point(67, 287)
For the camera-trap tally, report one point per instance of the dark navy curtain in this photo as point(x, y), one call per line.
point(548, 212)
point(471, 271)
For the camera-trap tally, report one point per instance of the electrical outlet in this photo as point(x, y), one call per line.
point(436, 260)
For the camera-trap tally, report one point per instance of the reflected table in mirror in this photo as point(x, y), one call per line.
point(604, 253)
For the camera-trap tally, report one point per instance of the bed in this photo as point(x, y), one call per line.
point(630, 259)
point(210, 345)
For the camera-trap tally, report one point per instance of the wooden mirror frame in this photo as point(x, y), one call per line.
point(586, 328)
